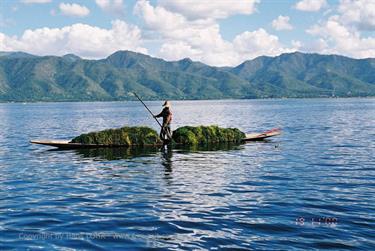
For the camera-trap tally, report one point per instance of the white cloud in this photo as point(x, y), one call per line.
point(4, 43)
point(258, 43)
point(310, 5)
point(339, 39)
point(177, 50)
point(35, 1)
point(198, 39)
point(320, 45)
point(81, 39)
point(358, 12)
point(296, 44)
point(204, 45)
point(112, 6)
point(73, 9)
point(201, 40)
point(158, 18)
point(340, 34)
point(282, 23)
point(193, 9)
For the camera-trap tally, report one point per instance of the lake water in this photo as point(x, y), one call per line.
point(313, 187)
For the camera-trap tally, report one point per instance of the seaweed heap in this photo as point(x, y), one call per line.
point(125, 136)
point(200, 135)
point(145, 136)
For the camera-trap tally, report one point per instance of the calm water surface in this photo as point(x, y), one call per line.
point(311, 188)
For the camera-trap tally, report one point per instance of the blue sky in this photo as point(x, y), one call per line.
point(222, 32)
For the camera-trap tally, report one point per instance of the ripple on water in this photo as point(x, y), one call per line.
point(253, 196)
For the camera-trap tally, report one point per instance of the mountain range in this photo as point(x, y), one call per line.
point(26, 77)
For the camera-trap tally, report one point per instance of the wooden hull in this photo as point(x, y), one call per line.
point(262, 135)
point(66, 144)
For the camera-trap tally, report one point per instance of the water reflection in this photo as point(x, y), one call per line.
point(210, 147)
point(118, 153)
point(166, 160)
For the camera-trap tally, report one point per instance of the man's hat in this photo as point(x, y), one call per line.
point(167, 104)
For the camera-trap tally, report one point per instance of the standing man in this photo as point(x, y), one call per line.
point(166, 114)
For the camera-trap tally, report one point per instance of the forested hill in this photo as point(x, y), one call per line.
point(25, 77)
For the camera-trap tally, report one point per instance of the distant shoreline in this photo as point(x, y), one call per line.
point(174, 100)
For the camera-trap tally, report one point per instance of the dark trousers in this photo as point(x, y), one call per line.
point(165, 132)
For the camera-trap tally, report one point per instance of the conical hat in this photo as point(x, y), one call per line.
point(167, 104)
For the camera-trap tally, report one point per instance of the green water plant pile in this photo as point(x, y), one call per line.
point(201, 135)
point(145, 136)
point(125, 136)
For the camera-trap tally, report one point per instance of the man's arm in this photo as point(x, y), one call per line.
point(160, 114)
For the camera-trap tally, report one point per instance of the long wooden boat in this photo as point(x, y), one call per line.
point(262, 135)
point(66, 144)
